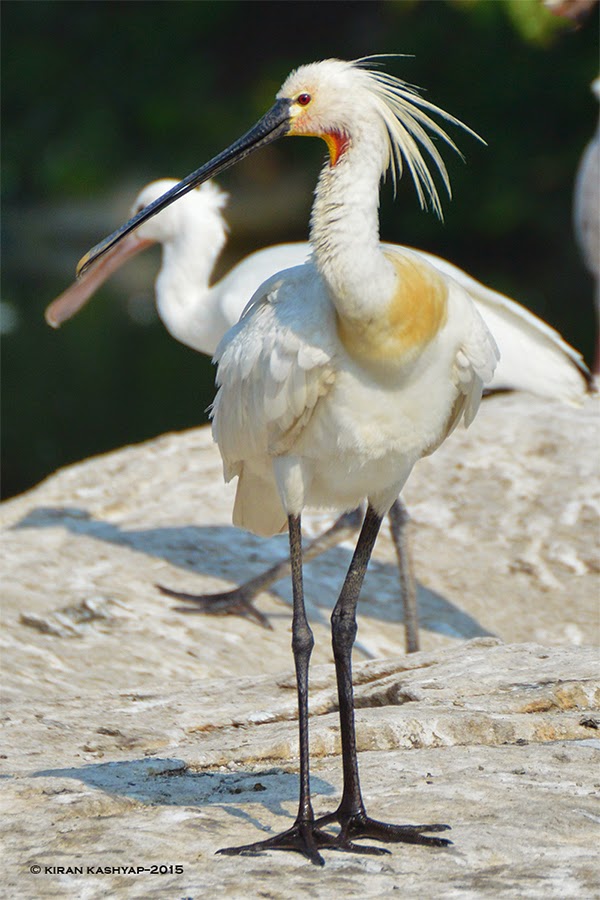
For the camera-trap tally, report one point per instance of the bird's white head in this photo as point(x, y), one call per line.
point(196, 218)
point(201, 208)
point(340, 102)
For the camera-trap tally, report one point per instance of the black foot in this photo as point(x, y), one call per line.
point(303, 838)
point(361, 826)
point(228, 603)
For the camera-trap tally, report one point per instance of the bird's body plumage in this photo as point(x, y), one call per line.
point(533, 355)
point(296, 383)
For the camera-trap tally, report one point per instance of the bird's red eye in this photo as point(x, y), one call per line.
point(303, 99)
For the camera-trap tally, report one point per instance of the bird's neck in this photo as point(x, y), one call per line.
point(345, 234)
point(183, 296)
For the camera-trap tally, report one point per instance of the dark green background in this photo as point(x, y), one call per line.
point(101, 97)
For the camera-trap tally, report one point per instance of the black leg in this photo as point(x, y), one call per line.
point(238, 602)
point(351, 813)
point(302, 837)
point(400, 531)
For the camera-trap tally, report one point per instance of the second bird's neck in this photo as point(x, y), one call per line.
point(183, 294)
point(345, 235)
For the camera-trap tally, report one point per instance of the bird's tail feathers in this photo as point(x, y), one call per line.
point(257, 505)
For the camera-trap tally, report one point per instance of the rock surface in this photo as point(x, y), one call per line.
point(135, 736)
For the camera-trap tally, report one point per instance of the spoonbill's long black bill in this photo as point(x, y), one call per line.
point(274, 124)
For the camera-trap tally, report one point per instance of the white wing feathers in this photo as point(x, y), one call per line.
point(271, 376)
point(474, 367)
point(533, 356)
point(248, 276)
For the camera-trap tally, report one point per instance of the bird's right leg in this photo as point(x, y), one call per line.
point(302, 837)
point(239, 600)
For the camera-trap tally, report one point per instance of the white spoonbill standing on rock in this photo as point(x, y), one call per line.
point(341, 374)
point(192, 233)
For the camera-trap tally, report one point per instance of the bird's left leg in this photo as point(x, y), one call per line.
point(351, 813)
point(400, 531)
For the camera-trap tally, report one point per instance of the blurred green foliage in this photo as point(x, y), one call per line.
point(101, 97)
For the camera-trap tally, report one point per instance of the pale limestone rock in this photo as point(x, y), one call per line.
point(135, 736)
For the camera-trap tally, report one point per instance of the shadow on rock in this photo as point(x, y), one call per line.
point(169, 782)
point(219, 552)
